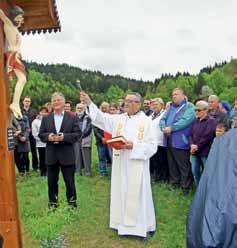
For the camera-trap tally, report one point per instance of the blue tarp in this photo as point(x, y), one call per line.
point(212, 219)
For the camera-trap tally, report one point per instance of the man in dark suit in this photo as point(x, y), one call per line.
point(31, 115)
point(60, 131)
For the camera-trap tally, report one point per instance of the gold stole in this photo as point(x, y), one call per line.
point(134, 182)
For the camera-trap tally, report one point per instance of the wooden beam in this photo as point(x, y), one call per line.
point(37, 12)
point(9, 217)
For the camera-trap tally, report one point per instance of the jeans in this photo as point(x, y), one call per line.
point(104, 157)
point(198, 163)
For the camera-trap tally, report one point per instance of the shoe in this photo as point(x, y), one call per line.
point(185, 192)
point(52, 206)
point(152, 233)
point(149, 235)
point(88, 174)
point(174, 186)
point(72, 205)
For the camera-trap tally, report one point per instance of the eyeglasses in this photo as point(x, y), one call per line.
point(198, 110)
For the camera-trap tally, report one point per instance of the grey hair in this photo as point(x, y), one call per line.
point(213, 97)
point(202, 104)
point(57, 94)
point(138, 96)
point(159, 100)
point(104, 104)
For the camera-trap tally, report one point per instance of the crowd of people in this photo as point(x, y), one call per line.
point(171, 140)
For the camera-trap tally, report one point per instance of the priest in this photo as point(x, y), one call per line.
point(131, 205)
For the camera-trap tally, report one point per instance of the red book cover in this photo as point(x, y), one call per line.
point(107, 135)
point(116, 142)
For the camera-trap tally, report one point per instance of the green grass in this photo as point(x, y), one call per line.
point(88, 226)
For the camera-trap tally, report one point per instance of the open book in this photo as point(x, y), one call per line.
point(116, 142)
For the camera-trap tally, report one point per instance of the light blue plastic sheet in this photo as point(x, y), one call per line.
point(212, 219)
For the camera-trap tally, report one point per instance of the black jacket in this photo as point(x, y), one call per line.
point(23, 125)
point(62, 152)
point(99, 135)
point(30, 113)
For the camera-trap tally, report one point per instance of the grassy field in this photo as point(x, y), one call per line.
point(87, 227)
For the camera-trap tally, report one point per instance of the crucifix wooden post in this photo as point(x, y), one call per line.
point(41, 16)
point(9, 216)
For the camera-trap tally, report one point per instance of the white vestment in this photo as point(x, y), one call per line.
point(131, 205)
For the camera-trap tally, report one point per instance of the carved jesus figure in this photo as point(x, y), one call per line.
point(14, 64)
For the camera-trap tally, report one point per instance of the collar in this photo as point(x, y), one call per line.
point(180, 104)
point(133, 114)
point(59, 113)
point(156, 114)
point(203, 119)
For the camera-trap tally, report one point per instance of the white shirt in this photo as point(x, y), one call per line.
point(58, 119)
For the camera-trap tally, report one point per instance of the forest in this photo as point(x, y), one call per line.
point(44, 79)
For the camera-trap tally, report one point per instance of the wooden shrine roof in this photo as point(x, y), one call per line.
point(40, 16)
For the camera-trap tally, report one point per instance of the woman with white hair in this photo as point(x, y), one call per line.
point(158, 162)
point(202, 134)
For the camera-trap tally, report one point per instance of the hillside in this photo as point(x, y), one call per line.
point(221, 79)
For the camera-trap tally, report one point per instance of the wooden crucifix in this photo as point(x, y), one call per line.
point(40, 16)
point(9, 216)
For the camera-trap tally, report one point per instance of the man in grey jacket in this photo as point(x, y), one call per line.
point(83, 145)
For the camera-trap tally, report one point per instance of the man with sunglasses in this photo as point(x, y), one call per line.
point(201, 136)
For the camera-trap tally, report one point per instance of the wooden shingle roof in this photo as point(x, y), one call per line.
point(40, 16)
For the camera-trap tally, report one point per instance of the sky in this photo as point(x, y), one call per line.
point(139, 39)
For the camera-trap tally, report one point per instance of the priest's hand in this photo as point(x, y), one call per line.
point(84, 98)
point(128, 145)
